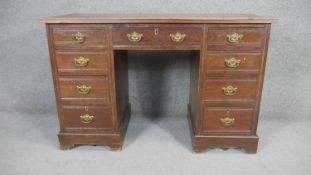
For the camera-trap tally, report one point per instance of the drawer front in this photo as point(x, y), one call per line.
point(227, 120)
point(80, 36)
point(84, 88)
point(233, 61)
point(232, 64)
point(157, 34)
point(82, 63)
point(238, 38)
point(223, 90)
point(87, 117)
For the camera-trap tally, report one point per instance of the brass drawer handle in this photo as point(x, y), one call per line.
point(134, 37)
point(81, 61)
point(79, 37)
point(177, 37)
point(227, 121)
point(234, 38)
point(232, 62)
point(84, 89)
point(86, 118)
point(230, 90)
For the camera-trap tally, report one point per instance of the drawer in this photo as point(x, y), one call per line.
point(227, 120)
point(84, 89)
point(239, 38)
point(80, 36)
point(87, 117)
point(230, 90)
point(157, 34)
point(232, 64)
point(82, 63)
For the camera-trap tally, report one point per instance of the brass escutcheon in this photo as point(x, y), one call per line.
point(79, 37)
point(232, 62)
point(234, 38)
point(177, 37)
point(81, 61)
point(227, 121)
point(84, 89)
point(134, 37)
point(230, 90)
point(86, 118)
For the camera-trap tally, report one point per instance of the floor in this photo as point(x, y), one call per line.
point(153, 145)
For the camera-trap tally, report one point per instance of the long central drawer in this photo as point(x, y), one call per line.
point(157, 34)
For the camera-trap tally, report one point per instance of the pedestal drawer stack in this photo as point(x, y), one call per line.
point(233, 65)
point(82, 77)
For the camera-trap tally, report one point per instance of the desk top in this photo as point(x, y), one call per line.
point(158, 18)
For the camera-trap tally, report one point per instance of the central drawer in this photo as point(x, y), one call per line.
point(157, 34)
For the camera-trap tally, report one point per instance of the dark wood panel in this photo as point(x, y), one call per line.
point(122, 89)
point(194, 90)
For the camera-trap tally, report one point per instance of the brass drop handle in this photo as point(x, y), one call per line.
point(234, 38)
point(178, 37)
point(84, 89)
point(86, 118)
point(134, 37)
point(232, 62)
point(79, 37)
point(229, 90)
point(227, 121)
point(81, 61)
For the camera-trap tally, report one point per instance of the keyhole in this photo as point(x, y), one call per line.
point(156, 31)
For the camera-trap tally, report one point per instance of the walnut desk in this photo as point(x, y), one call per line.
point(89, 65)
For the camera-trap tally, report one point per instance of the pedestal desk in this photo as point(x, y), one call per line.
point(90, 73)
